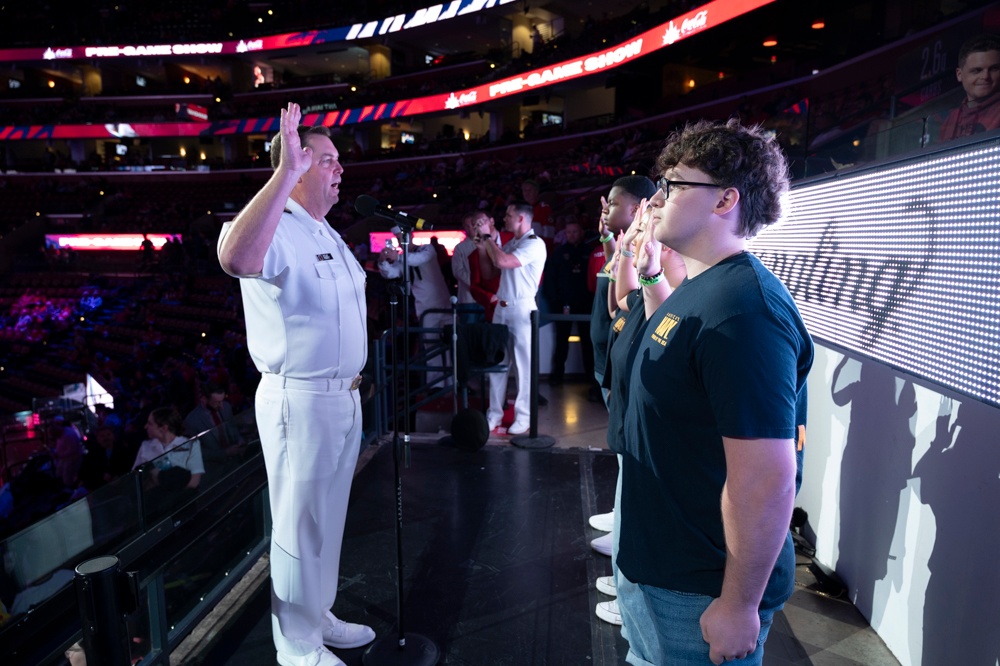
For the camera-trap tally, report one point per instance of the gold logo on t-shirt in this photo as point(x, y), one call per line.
point(619, 324)
point(662, 331)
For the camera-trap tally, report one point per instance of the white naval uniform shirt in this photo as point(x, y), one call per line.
point(306, 312)
point(522, 283)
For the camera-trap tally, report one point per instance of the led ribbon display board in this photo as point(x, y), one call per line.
point(696, 21)
point(384, 26)
point(901, 264)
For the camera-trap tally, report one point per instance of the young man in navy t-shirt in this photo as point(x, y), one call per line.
point(709, 468)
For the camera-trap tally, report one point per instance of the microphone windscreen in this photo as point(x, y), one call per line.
point(365, 204)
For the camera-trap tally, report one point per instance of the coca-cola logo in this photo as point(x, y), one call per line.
point(56, 54)
point(250, 45)
point(453, 101)
point(688, 25)
point(696, 22)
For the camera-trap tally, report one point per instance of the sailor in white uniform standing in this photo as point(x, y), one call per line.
point(304, 298)
point(520, 262)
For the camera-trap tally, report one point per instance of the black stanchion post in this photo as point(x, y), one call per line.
point(533, 440)
point(104, 601)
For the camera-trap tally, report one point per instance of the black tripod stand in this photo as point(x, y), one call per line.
point(405, 649)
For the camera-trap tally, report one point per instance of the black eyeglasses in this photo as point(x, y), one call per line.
point(665, 183)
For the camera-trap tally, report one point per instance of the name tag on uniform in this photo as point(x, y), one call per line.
point(324, 257)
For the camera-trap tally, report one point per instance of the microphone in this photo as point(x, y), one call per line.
point(369, 206)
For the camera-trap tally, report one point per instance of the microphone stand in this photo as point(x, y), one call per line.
point(406, 649)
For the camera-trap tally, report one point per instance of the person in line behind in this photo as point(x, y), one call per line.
point(637, 253)
point(618, 211)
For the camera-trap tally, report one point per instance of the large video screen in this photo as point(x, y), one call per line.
point(901, 263)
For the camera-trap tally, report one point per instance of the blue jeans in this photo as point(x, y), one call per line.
point(664, 627)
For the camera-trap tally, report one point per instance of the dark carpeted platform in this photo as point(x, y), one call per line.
point(498, 566)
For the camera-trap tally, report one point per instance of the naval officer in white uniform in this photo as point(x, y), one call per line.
point(520, 262)
point(304, 297)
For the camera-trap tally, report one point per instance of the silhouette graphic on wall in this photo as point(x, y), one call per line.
point(874, 470)
point(960, 481)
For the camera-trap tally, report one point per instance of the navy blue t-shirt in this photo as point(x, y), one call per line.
point(599, 320)
point(726, 355)
point(625, 329)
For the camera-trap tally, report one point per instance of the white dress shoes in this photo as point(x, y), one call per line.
point(318, 657)
point(340, 634)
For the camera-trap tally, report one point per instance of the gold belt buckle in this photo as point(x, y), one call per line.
point(356, 384)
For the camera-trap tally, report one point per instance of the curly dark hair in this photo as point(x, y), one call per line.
point(304, 132)
point(732, 155)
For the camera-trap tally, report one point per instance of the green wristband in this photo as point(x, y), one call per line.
point(649, 281)
point(606, 239)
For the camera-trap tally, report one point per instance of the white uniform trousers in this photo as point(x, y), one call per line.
point(310, 433)
point(516, 316)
